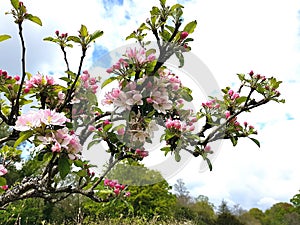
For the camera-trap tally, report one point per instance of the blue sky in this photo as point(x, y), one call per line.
point(232, 37)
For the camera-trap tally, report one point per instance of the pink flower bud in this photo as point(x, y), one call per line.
point(17, 77)
point(230, 92)
point(107, 182)
point(106, 122)
point(207, 148)
point(227, 114)
point(245, 124)
point(251, 73)
point(117, 191)
point(127, 194)
point(26, 90)
point(57, 33)
point(184, 34)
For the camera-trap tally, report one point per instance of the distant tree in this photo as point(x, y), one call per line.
point(182, 193)
point(225, 216)
point(296, 201)
point(223, 208)
point(276, 215)
point(249, 219)
point(204, 210)
point(257, 214)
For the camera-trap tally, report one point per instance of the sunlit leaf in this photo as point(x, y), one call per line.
point(4, 37)
point(190, 27)
point(34, 19)
point(15, 3)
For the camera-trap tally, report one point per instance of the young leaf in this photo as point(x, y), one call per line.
point(208, 163)
point(255, 141)
point(23, 137)
point(15, 3)
point(34, 19)
point(190, 27)
point(177, 156)
point(96, 35)
point(180, 58)
point(108, 81)
point(64, 167)
point(74, 38)
point(83, 31)
point(4, 37)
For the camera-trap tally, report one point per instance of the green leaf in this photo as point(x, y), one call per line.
point(165, 35)
point(177, 156)
point(64, 167)
point(169, 135)
point(2, 181)
point(255, 141)
point(82, 173)
point(180, 57)
point(78, 163)
point(190, 27)
point(95, 35)
point(107, 127)
point(186, 94)
point(175, 7)
point(83, 31)
point(108, 81)
point(155, 11)
point(93, 143)
point(4, 37)
point(150, 51)
point(208, 163)
point(162, 3)
point(234, 140)
point(23, 137)
point(48, 39)
point(34, 19)
point(74, 38)
point(241, 99)
point(15, 3)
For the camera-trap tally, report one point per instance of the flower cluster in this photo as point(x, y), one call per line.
point(62, 139)
point(116, 187)
point(40, 82)
point(211, 104)
point(136, 57)
point(141, 152)
point(158, 92)
point(89, 83)
point(179, 125)
point(40, 118)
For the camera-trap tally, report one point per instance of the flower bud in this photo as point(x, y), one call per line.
point(183, 35)
point(251, 73)
point(57, 33)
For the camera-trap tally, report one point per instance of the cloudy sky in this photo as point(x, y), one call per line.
point(232, 37)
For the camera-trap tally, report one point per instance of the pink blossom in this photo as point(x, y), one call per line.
point(107, 182)
point(121, 131)
point(127, 194)
point(106, 122)
point(4, 187)
point(56, 147)
point(3, 170)
point(245, 124)
point(227, 114)
point(51, 117)
point(91, 128)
